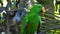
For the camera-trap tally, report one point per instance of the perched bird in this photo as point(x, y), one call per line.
point(32, 21)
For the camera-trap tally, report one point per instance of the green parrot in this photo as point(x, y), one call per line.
point(32, 19)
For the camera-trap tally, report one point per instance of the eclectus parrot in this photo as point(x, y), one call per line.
point(32, 19)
